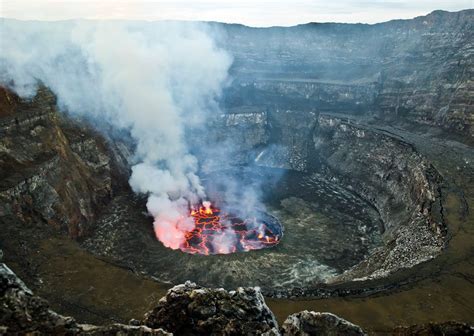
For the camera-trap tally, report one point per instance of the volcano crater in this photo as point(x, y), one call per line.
point(364, 206)
point(327, 229)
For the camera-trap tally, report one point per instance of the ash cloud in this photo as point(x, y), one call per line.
point(156, 80)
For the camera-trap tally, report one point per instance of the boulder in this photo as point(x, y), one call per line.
point(321, 324)
point(190, 309)
point(122, 329)
point(22, 312)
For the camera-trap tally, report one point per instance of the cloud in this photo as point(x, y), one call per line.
point(256, 12)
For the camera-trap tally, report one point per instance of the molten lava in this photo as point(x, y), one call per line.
point(217, 232)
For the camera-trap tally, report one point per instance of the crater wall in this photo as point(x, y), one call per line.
point(418, 71)
point(399, 182)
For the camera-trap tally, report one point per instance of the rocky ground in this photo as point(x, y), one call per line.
point(186, 309)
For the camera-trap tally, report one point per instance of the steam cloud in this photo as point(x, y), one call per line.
point(154, 79)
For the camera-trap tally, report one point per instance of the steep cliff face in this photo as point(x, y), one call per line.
point(380, 167)
point(277, 138)
point(397, 180)
point(52, 169)
point(418, 70)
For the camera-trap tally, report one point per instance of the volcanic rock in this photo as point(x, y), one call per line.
point(325, 324)
point(53, 169)
point(122, 329)
point(22, 312)
point(402, 185)
point(190, 309)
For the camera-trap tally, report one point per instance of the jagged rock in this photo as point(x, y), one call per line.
point(193, 310)
point(22, 312)
point(324, 324)
point(436, 329)
point(134, 322)
point(122, 329)
point(52, 169)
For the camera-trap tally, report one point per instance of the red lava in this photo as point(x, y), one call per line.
point(217, 232)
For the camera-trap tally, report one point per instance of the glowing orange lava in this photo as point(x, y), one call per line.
point(217, 232)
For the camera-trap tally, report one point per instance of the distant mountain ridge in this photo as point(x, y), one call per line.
point(419, 70)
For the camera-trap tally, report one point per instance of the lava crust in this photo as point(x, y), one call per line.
point(219, 232)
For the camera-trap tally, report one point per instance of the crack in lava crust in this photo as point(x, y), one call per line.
point(217, 232)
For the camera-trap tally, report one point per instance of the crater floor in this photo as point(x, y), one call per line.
point(327, 229)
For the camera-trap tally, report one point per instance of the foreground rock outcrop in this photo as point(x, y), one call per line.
point(187, 309)
point(122, 329)
point(23, 312)
point(311, 323)
point(193, 310)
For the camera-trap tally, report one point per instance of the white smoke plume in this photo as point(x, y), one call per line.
point(153, 79)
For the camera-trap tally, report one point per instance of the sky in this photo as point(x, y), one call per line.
point(260, 13)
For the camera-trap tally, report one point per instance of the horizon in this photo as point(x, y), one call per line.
point(264, 13)
point(225, 23)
